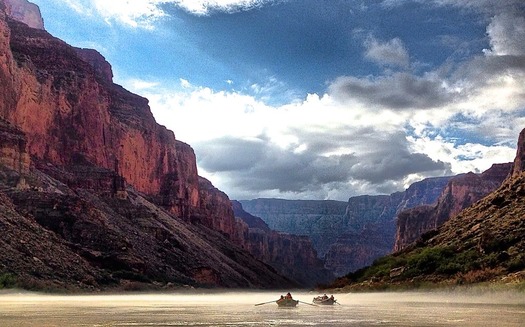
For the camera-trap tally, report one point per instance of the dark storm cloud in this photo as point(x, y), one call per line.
point(260, 165)
point(398, 91)
point(255, 166)
point(390, 159)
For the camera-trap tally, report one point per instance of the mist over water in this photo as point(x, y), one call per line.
point(238, 309)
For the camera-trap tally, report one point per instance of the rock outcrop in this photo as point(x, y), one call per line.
point(460, 192)
point(25, 12)
point(13, 153)
point(292, 256)
point(115, 196)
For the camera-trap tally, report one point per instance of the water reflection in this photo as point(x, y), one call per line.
point(238, 309)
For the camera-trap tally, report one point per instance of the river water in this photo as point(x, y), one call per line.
point(239, 309)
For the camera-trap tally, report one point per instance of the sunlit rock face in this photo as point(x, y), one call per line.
point(519, 161)
point(113, 191)
point(64, 100)
point(25, 12)
point(461, 192)
point(291, 255)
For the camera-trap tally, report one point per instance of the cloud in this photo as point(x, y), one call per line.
point(365, 135)
point(399, 91)
point(507, 34)
point(256, 166)
point(145, 13)
point(131, 13)
point(390, 53)
point(206, 7)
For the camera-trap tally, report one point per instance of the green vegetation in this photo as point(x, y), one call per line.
point(7, 280)
point(434, 264)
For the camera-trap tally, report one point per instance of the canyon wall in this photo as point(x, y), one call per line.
point(461, 192)
point(291, 255)
point(64, 100)
point(117, 190)
point(87, 170)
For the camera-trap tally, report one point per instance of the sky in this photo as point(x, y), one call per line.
point(310, 99)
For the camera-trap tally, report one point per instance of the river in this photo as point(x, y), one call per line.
point(238, 309)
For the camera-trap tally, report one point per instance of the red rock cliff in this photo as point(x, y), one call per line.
point(63, 99)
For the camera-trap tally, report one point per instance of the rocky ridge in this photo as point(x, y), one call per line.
point(483, 243)
point(460, 192)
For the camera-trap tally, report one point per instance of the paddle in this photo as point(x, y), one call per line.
point(313, 305)
point(265, 303)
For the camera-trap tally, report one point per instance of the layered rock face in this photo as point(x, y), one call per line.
point(113, 195)
point(317, 219)
point(348, 235)
point(13, 153)
point(292, 256)
point(64, 100)
point(461, 192)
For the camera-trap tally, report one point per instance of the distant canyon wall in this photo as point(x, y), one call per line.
point(347, 235)
point(291, 255)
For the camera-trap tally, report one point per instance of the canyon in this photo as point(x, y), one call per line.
point(482, 243)
point(113, 199)
point(347, 235)
point(96, 195)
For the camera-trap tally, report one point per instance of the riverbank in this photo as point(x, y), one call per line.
point(509, 282)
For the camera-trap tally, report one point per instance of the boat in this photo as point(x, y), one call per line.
point(324, 300)
point(287, 302)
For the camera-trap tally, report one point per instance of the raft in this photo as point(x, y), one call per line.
point(320, 300)
point(286, 303)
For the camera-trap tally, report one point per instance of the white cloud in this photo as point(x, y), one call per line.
point(390, 53)
point(145, 13)
point(507, 34)
point(251, 149)
point(205, 7)
point(132, 13)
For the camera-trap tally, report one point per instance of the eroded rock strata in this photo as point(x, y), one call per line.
point(94, 193)
point(291, 255)
point(347, 235)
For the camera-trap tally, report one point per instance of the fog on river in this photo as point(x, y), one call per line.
point(239, 309)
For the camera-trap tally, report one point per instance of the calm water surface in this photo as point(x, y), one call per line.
point(238, 309)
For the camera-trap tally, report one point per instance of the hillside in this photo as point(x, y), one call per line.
point(483, 243)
